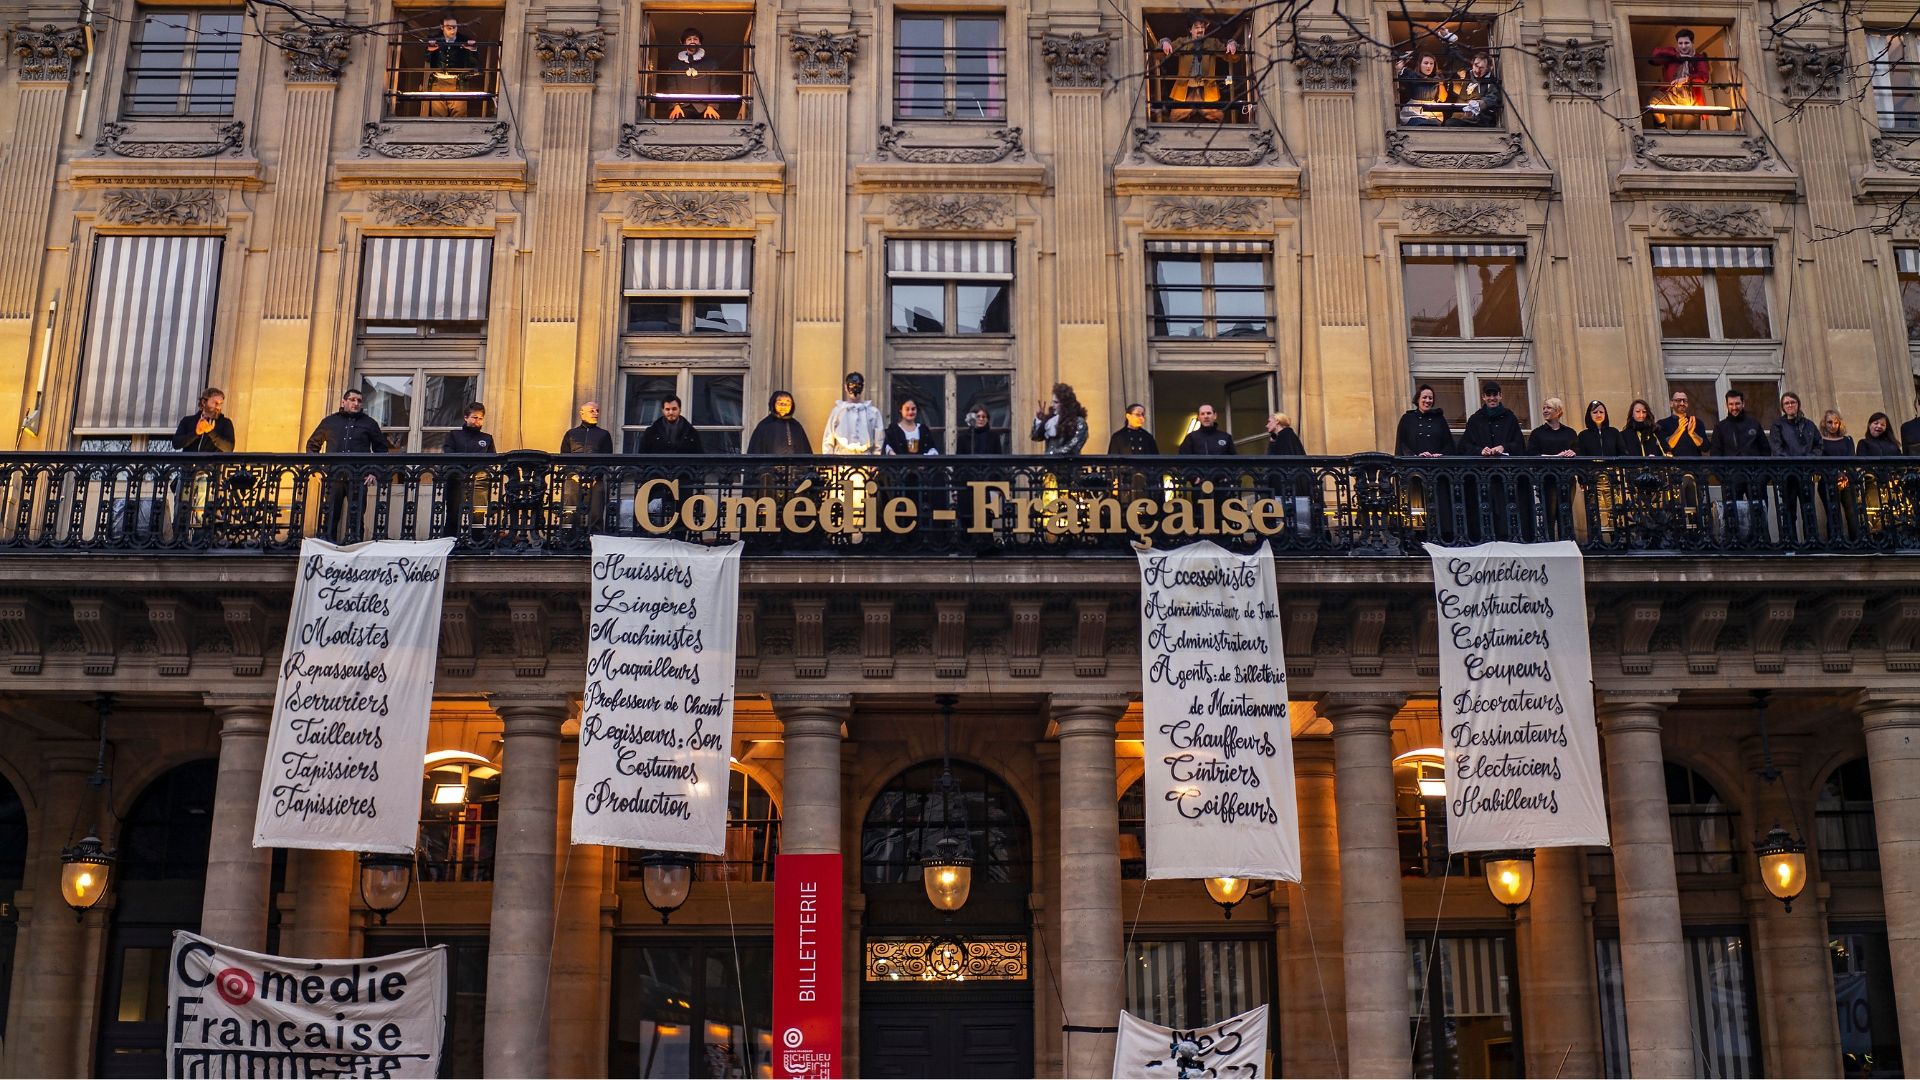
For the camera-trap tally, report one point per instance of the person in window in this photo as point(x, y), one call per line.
point(906, 435)
point(1198, 69)
point(470, 438)
point(1420, 85)
point(688, 82)
point(1479, 94)
point(854, 426)
point(978, 436)
point(778, 433)
point(1794, 435)
point(588, 494)
point(1598, 437)
point(1680, 432)
point(346, 431)
point(1423, 430)
point(671, 433)
point(1641, 437)
point(1684, 77)
point(1836, 490)
point(1133, 439)
point(1061, 423)
point(453, 68)
point(1208, 439)
point(207, 430)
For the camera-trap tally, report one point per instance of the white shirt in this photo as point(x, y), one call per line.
point(853, 427)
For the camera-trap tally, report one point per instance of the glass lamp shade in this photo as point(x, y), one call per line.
point(1227, 892)
point(666, 878)
point(385, 881)
point(1510, 878)
point(86, 869)
point(1783, 865)
point(949, 881)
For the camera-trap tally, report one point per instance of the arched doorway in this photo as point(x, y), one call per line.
point(160, 879)
point(946, 996)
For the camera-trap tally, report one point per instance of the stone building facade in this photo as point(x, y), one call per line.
point(969, 203)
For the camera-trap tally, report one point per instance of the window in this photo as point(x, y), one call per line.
point(1241, 402)
point(1184, 982)
point(949, 67)
point(1863, 996)
point(150, 328)
point(422, 343)
point(1907, 273)
point(753, 837)
point(948, 398)
point(1445, 73)
point(1843, 819)
point(1611, 978)
point(677, 1008)
point(1712, 293)
point(445, 63)
point(1707, 397)
point(1688, 78)
point(712, 402)
point(1720, 993)
point(1420, 806)
point(416, 409)
point(1463, 290)
point(1209, 289)
point(1705, 827)
point(1895, 59)
point(1461, 1002)
point(950, 287)
point(183, 63)
point(1199, 68)
point(688, 286)
point(904, 820)
point(697, 65)
point(459, 814)
point(1133, 834)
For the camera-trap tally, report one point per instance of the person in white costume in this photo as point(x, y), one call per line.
point(854, 426)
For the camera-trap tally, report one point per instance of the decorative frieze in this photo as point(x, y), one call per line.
point(569, 56)
point(1075, 60)
point(1327, 65)
point(315, 55)
point(163, 206)
point(1208, 215)
point(113, 140)
point(697, 209)
point(960, 212)
point(1205, 148)
point(1512, 151)
point(1573, 68)
point(454, 208)
point(822, 57)
point(1707, 219)
point(382, 139)
point(1005, 143)
point(1886, 155)
point(1439, 217)
point(1810, 72)
point(47, 53)
point(746, 141)
point(1754, 154)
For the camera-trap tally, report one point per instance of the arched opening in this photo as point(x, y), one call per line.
point(13, 871)
point(1843, 819)
point(1420, 817)
point(946, 995)
point(459, 816)
point(753, 837)
point(159, 882)
point(1862, 958)
point(1706, 828)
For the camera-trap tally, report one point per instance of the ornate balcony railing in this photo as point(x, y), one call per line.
point(533, 503)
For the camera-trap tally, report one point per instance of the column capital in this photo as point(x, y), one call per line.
point(569, 56)
point(1087, 714)
point(1887, 708)
point(315, 55)
point(1632, 710)
point(812, 714)
point(241, 714)
point(1075, 60)
point(1362, 713)
point(47, 53)
point(822, 57)
point(538, 716)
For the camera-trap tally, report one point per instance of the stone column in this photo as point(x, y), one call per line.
point(520, 939)
point(324, 885)
point(822, 74)
point(1892, 726)
point(1559, 997)
point(1077, 74)
point(1374, 931)
point(1313, 994)
point(1091, 985)
point(577, 1021)
point(812, 727)
point(1653, 958)
point(1793, 971)
point(50, 987)
point(234, 911)
point(1048, 1049)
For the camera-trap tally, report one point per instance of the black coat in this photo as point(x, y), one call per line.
point(977, 441)
point(1213, 441)
point(347, 433)
point(1285, 443)
point(1798, 437)
point(1133, 442)
point(1683, 446)
point(1423, 433)
point(781, 435)
point(894, 439)
point(468, 440)
point(1739, 436)
point(1643, 442)
point(1884, 446)
point(1602, 441)
point(1840, 447)
point(1910, 436)
point(1546, 442)
point(586, 439)
point(677, 437)
point(217, 441)
point(1495, 426)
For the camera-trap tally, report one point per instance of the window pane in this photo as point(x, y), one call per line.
point(1450, 394)
point(1240, 313)
point(921, 63)
point(158, 63)
point(1233, 976)
point(928, 389)
point(719, 316)
point(1493, 290)
point(1239, 270)
point(390, 402)
point(1175, 270)
point(653, 315)
point(447, 398)
point(1157, 982)
point(976, 33)
point(657, 1020)
point(1680, 294)
point(982, 308)
point(737, 1045)
point(1743, 303)
point(1722, 1020)
point(1763, 398)
point(717, 400)
point(1433, 304)
point(644, 395)
point(1910, 304)
point(980, 84)
point(919, 307)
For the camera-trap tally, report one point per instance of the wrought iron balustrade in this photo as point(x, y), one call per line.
point(531, 503)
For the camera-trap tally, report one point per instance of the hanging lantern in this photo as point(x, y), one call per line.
point(1783, 864)
point(86, 870)
point(666, 877)
point(385, 881)
point(1510, 878)
point(946, 868)
point(1227, 892)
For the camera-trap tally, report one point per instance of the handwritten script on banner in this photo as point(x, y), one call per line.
point(1235, 1047)
point(1219, 747)
point(657, 721)
point(353, 700)
point(1516, 698)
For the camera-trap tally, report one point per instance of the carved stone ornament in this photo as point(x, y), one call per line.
point(1705, 219)
point(1210, 215)
point(700, 209)
point(747, 141)
point(163, 206)
point(113, 140)
point(1438, 217)
point(1753, 155)
point(47, 53)
point(1512, 151)
point(1886, 155)
point(454, 208)
point(823, 58)
point(1007, 142)
point(378, 139)
point(1327, 65)
point(1075, 59)
point(1810, 72)
point(568, 55)
point(315, 55)
point(1252, 149)
point(1574, 67)
point(951, 211)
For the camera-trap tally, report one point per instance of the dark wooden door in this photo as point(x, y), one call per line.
point(946, 1035)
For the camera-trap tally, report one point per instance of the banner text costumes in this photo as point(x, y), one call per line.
point(1219, 749)
point(656, 724)
point(354, 698)
point(231, 1012)
point(1516, 698)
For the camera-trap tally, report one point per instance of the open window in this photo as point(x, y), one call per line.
point(1446, 72)
point(444, 63)
point(1687, 75)
point(697, 64)
point(1241, 400)
point(712, 400)
point(1199, 67)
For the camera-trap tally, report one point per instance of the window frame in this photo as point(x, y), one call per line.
point(1846, 815)
point(1428, 22)
point(395, 72)
point(190, 51)
point(1880, 81)
point(652, 48)
point(1710, 296)
point(1239, 112)
point(951, 79)
point(949, 376)
point(394, 349)
point(688, 319)
point(1209, 290)
point(1469, 369)
point(697, 946)
point(1728, 29)
point(1261, 945)
point(1704, 859)
point(950, 310)
point(422, 370)
point(1463, 300)
point(684, 372)
point(760, 864)
point(1435, 1026)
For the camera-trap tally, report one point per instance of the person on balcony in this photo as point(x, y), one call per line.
point(1910, 435)
point(469, 438)
point(977, 437)
point(1491, 432)
point(1208, 439)
point(1479, 95)
point(1684, 78)
point(1553, 438)
point(205, 431)
point(1423, 430)
point(671, 432)
point(1641, 436)
point(1795, 436)
point(588, 495)
point(854, 426)
point(1739, 435)
point(1133, 439)
point(688, 82)
point(907, 436)
point(1598, 438)
point(778, 433)
point(1197, 70)
point(1282, 440)
point(346, 431)
point(1837, 491)
point(1879, 440)
point(1420, 87)
point(453, 69)
point(1680, 432)
point(1061, 423)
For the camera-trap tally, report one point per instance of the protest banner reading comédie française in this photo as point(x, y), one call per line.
point(1219, 745)
point(656, 724)
point(231, 1012)
point(354, 698)
point(1235, 1047)
point(1516, 698)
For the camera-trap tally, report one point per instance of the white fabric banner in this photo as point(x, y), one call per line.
point(1516, 698)
point(351, 708)
point(656, 725)
point(1219, 746)
point(231, 1012)
point(1230, 1048)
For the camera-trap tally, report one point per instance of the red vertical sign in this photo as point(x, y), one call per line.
point(806, 966)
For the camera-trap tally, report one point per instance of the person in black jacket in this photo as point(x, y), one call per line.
point(587, 494)
point(1680, 433)
point(1739, 435)
point(1492, 431)
point(1553, 438)
point(1837, 492)
point(1794, 435)
point(206, 431)
point(1295, 488)
point(907, 435)
point(1208, 438)
point(977, 437)
point(347, 431)
point(1879, 440)
point(469, 438)
point(1423, 429)
point(1641, 436)
point(1910, 435)
point(1282, 440)
point(587, 437)
point(778, 432)
point(671, 433)
point(1598, 438)
point(1132, 439)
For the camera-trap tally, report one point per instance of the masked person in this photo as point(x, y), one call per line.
point(854, 426)
point(689, 80)
point(1133, 439)
point(778, 432)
